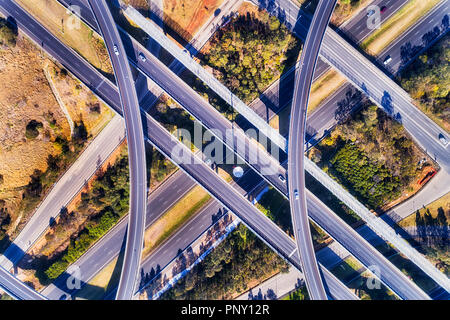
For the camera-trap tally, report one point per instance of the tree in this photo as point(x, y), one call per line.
point(8, 34)
point(32, 129)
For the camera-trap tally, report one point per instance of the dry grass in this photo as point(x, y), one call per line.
point(82, 39)
point(396, 25)
point(323, 87)
point(443, 202)
point(137, 4)
point(189, 15)
point(97, 286)
point(345, 11)
point(25, 95)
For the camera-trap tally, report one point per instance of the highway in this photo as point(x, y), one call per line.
point(238, 201)
point(372, 81)
point(87, 73)
point(16, 288)
point(296, 149)
point(279, 94)
point(136, 149)
point(157, 134)
point(196, 106)
point(199, 39)
point(167, 72)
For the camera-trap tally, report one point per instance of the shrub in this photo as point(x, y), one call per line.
point(32, 129)
point(8, 34)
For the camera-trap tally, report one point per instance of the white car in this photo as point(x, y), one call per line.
point(116, 50)
point(443, 140)
point(142, 57)
point(387, 60)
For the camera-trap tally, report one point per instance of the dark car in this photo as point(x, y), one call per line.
point(383, 9)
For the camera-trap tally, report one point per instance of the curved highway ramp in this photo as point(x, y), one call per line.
point(136, 149)
point(296, 149)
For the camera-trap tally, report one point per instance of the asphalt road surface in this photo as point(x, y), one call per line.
point(101, 87)
point(136, 149)
point(16, 288)
point(296, 149)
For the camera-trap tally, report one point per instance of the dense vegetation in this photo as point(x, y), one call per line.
point(427, 79)
point(228, 269)
point(250, 52)
point(104, 204)
point(7, 33)
point(300, 294)
point(371, 155)
point(344, 9)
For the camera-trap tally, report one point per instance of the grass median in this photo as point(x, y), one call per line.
point(396, 25)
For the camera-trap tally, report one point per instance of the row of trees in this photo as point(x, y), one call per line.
point(277, 208)
point(104, 204)
point(431, 231)
point(5, 219)
point(369, 179)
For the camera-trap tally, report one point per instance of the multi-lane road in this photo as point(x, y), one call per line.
point(136, 149)
point(101, 85)
point(379, 87)
point(161, 139)
point(16, 288)
point(297, 129)
point(110, 95)
point(279, 94)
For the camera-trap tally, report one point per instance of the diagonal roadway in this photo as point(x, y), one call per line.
point(164, 72)
point(166, 143)
point(96, 87)
point(16, 288)
point(370, 79)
